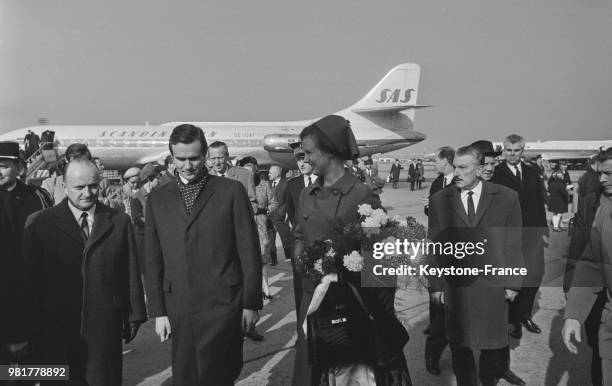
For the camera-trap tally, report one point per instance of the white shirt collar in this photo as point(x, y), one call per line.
point(76, 212)
point(313, 178)
point(448, 178)
point(475, 196)
point(183, 180)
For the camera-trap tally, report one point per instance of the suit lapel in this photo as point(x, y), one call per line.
point(101, 226)
point(457, 206)
point(67, 223)
point(174, 200)
point(201, 201)
point(486, 198)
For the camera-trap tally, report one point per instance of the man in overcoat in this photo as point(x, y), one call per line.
point(203, 265)
point(476, 306)
point(523, 179)
point(292, 198)
point(86, 291)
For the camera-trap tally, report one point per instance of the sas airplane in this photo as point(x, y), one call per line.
point(382, 121)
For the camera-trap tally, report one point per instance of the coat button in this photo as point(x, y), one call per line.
point(305, 217)
point(335, 191)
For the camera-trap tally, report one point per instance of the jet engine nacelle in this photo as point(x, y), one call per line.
point(279, 143)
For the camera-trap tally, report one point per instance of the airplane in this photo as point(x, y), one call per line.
point(382, 121)
point(562, 150)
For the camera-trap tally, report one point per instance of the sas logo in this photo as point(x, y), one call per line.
point(393, 96)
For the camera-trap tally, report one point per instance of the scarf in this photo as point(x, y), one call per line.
point(189, 192)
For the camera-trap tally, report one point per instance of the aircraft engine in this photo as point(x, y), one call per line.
point(279, 143)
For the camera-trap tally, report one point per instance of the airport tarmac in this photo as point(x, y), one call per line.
point(540, 359)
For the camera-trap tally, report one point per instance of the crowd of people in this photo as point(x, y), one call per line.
point(197, 234)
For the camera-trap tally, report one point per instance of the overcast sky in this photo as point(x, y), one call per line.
point(539, 68)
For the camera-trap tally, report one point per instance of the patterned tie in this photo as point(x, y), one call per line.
point(84, 226)
point(309, 182)
point(471, 210)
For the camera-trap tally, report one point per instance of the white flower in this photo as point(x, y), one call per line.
point(380, 216)
point(400, 220)
point(370, 222)
point(331, 252)
point(318, 265)
point(353, 262)
point(365, 209)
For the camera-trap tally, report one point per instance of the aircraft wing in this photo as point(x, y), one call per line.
point(388, 109)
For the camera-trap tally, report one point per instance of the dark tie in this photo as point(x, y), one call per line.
point(84, 226)
point(518, 174)
point(443, 182)
point(309, 182)
point(471, 210)
point(273, 184)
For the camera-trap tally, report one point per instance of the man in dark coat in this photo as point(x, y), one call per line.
point(525, 181)
point(203, 265)
point(589, 181)
point(476, 306)
point(292, 197)
point(278, 215)
point(411, 174)
point(17, 202)
point(396, 168)
point(86, 291)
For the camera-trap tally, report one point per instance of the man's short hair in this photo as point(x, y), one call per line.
point(77, 150)
point(186, 134)
point(447, 153)
point(605, 155)
point(218, 144)
point(470, 150)
point(515, 138)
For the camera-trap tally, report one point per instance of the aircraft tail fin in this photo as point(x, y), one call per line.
point(397, 91)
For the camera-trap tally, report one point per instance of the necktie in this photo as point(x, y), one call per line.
point(309, 182)
point(443, 182)
point(471, 210)
point(84, 226)
point(518, 174)
point(273, 184)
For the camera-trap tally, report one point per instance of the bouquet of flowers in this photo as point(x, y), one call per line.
point(346, 251)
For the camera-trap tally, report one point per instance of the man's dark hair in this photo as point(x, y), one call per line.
point(471, 150)
point(168, 161)
point(186, 134)
point(605, 155)
point(218, 144)
point(447, 153)
point(320, 140)
point(77, 150)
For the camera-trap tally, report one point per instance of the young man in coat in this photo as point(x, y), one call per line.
point(203, 265)
point(17, 202)
point(592, 275)
point(476, 306)
point(86, 291)
point(524, 180)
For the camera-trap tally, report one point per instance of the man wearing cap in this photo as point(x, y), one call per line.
point(17, 202)
point(218, 154)
point(292, 197)
point(129, 189)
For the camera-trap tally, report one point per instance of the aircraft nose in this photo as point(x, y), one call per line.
point(417, 136)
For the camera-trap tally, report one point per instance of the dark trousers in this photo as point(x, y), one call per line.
point(412, 183)
point(491, 365)
point(283, 229)
point(591, 326)
point(436, 340)
point(394, 184)
point(533, 253)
